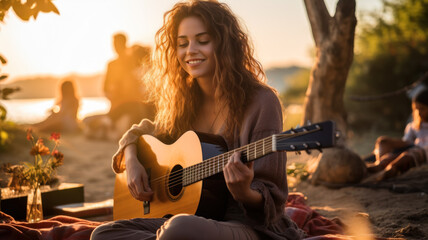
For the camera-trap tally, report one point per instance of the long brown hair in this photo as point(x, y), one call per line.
point(237, 74)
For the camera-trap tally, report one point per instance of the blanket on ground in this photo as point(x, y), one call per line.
point(62, 227)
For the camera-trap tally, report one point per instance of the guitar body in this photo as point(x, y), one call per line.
point(164, 164)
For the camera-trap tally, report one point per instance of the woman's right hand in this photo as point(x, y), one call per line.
point(137, 178)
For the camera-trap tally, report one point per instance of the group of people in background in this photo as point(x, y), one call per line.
point(122, 87)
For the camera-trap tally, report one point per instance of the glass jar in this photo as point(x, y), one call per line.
point(34, 205)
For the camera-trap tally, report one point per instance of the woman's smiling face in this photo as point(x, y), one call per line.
point(195, 48)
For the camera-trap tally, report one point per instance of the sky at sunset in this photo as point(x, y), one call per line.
point(79, 40)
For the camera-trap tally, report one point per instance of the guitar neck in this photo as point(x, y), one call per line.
point(316, 136)
point(214, 165)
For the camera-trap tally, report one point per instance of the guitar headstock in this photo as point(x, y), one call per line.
point(315, 136)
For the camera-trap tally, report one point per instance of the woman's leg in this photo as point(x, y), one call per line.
point(190, 227)
point(138, 228)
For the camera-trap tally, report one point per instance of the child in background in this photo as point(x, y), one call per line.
point(395, 156)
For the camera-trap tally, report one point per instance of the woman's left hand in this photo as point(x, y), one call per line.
point(238, 177)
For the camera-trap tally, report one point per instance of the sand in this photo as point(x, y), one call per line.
point(381, 211)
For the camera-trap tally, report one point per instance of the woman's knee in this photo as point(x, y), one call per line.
point(183, 226)
point(100, 232)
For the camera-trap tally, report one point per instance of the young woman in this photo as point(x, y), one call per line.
point(395, 156)
point(205, 79)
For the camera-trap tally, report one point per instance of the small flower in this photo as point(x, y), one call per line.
point(58, 158)
point(39, 148)
point(55, 136)
point(30, 134)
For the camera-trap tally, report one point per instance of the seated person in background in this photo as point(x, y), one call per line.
point(395, 156)
point(124, 88)
point(64, 112)
point(132, 106)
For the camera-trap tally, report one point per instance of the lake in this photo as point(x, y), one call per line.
point(25, 111)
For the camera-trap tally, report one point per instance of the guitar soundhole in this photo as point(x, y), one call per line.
point(175, 182)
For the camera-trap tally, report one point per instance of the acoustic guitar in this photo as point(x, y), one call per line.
point(187, 176)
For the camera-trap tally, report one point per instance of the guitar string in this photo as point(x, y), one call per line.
point(218, 156)
point(179, 180)
point(211, 163)
point(206, 164)
point(202, 175)
point(204, 168)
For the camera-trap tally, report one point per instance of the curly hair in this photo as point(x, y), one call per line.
point(237, 74)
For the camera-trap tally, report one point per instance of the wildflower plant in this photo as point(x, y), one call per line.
point(42, 169)
point(46, 161)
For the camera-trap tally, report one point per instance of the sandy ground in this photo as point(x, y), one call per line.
point(382, 211)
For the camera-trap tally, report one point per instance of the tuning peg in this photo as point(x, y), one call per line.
point(338, 134)
point(308, 151)
point(319, 150)
point(308, 123)
point(298, 153)
point(305, 145)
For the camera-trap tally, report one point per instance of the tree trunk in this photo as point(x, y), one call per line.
point(334, 41)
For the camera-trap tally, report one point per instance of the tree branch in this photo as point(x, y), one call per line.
point(319, 19)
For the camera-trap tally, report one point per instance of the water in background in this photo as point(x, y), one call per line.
point(25, 111)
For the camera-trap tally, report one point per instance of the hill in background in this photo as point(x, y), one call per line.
point(91, 86)
point(48, 86)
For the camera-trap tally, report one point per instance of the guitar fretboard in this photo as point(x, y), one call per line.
point(214, 165)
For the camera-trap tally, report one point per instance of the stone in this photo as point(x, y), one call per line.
point(338, 167)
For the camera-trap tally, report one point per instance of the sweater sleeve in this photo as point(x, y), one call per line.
point(263, 119)
point(130, 137)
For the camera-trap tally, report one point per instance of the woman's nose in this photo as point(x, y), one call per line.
point(192, 48)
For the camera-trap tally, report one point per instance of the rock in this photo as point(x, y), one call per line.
point(337, 167)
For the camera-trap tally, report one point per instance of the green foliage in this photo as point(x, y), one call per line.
point(391, 53)
point(297, 85)
point(294, 96)
point(4, 94)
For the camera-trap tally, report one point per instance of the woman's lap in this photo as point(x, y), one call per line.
point(178, 227)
